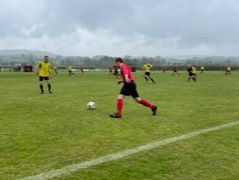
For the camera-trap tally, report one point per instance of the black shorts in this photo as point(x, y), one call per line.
point(175, 70)
point(147, 73)
point(129, 89)
point(43, 78)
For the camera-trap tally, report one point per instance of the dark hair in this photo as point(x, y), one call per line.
point(45, 56)
point(119, 60)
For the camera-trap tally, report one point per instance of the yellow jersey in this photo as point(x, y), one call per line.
point(44, 69)
point(54, 67)
point(202, 68)
point(147, 67)
point(228, 68)
point(193, 70)
point(69, 68)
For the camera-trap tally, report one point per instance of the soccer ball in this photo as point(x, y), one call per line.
point(91, 105)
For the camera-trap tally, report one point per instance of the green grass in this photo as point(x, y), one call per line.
point(39, 133)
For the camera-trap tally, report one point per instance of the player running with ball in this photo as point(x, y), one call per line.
point(128, 89)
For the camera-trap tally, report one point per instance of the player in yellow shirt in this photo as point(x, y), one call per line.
point(69, 68)
point(55, 69)
point(228, 70)
point(202, 69)
point(147, 74)
point(194, 73)
point(191, 72)
point(43, 69)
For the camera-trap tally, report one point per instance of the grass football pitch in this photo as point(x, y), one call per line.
point(44, 132)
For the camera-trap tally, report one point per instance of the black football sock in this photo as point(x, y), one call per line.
point(49, 87)
point(152, 80)
point(41, 87)
point(146, 78)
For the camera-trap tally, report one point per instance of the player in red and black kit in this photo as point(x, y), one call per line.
point(110, 71)
point(116, 72)
point(128, 89)
point(175, 70)
point(164, 69)
point(82, 70)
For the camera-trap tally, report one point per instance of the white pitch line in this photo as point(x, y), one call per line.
point(121, 154)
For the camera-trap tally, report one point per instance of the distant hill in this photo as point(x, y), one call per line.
point(19, 52)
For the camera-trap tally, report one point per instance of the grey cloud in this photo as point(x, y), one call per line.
point(194, 22)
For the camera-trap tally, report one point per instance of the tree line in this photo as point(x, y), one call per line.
point(104, 62)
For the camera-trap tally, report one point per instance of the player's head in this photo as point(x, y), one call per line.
point(46, 58)
point(119, 60)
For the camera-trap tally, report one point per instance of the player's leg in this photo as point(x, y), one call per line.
point(144, 75)
point(147, 104)
point(139, 100)
point(194, 77)
point(149, 76)
point(151, 79)
point(120, 104)
point(41, 84)
point(116, 74)
point(49, 85)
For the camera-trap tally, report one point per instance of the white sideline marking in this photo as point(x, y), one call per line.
point(121, 154)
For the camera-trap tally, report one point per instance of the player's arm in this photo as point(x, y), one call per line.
point(126, 76)
point(120, 81)
point(38, 67)
point(50, 71)
point(127, 80)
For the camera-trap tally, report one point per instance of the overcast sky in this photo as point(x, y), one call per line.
point(121, 27)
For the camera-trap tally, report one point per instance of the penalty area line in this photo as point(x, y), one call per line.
point(121, 154)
